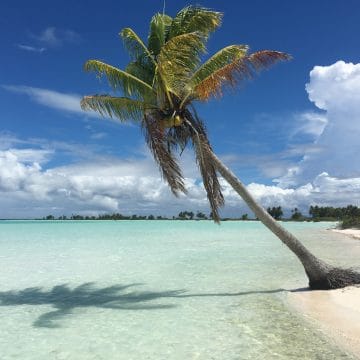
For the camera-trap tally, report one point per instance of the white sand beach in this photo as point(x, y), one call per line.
point(336, 312)
point(354, 233)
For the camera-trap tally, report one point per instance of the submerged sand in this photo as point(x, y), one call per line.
point(336, 312)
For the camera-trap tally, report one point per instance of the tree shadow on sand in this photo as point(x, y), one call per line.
point(120, 297)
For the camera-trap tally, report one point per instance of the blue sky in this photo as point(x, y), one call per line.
point(284, 140)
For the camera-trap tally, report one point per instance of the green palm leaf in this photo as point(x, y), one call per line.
point(143, 70)
point(124, 109)
point(118, 79)
point(178, 58)
point(195, 18)
point(159, 29)
point(135, 45)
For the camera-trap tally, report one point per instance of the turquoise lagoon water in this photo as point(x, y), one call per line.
point(157, 290)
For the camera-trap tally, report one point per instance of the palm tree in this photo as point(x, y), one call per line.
point(159, 87)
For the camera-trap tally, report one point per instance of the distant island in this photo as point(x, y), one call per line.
point(349, 216)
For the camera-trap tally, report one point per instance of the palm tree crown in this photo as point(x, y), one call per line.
point(163, 79)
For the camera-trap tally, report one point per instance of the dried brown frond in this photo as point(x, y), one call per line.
point(211, 183)
point(237, 71)
point(157, 142)
point(228, 75)
point(263, 59)
point(178, 137)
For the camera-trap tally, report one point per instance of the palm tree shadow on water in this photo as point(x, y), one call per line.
point(118, 297)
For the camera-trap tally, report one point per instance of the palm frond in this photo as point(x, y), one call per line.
point(223, 57)
point(159, 29)
point(218, 61)
point(135, 45)
point(163, 97)
point(203, 149)
point(195, 18)
point(178, 137)
point(124, 109)
point(141, 69)
point(263, 59)
point(232, 74)
point(209, 176)
point(178, 58)
point(227, 75)
point(169, 168)
point(129, 84)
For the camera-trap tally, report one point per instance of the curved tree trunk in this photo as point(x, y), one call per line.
point(320, 274)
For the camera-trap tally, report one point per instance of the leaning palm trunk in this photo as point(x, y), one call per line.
point(159, 86)
point(320, 274)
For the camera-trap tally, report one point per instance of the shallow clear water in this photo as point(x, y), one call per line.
point(157, 290)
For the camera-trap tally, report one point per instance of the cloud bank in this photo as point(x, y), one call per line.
point(134, 186)
point(335, 89)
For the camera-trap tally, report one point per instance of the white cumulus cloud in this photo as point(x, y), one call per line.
point(125, 185)
point(50, 98)
point(54, 37)
point(311, 123)
point(29, 189)
point(336, 90)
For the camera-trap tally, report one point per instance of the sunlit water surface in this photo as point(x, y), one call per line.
point(157, 290)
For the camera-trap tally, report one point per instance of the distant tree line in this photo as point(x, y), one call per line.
point(277, 213)
point(114, 216)
point(183, 215)
point(318, 212)
point(349, 215)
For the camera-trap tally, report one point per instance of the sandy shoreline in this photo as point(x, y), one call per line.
point(336, 312)
point(354, 233)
